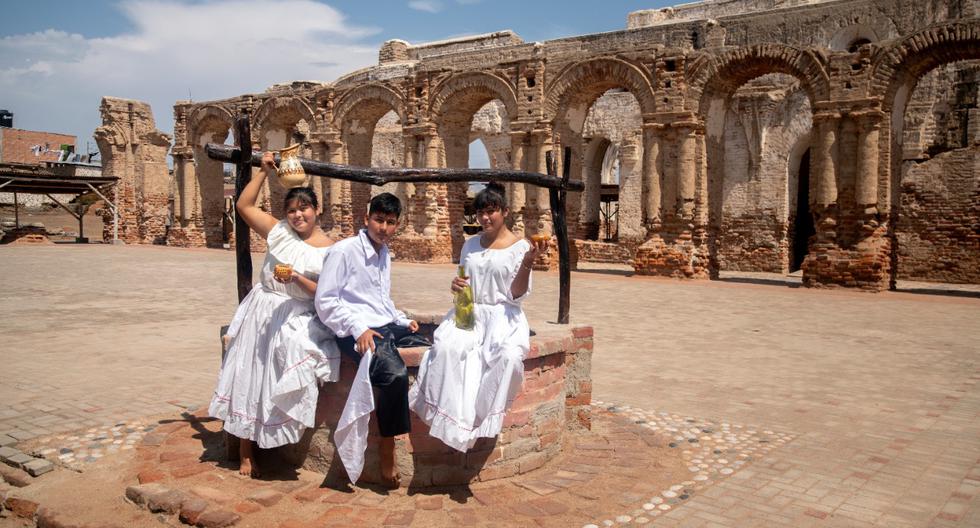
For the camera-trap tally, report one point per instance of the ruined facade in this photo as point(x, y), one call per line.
point(134, 151)
point(758, 135)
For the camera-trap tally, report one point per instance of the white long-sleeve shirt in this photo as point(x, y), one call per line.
point(353, 293)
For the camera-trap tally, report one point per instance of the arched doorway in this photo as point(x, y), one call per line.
point(938, 178)
point(932, 184)
point(467, 108)
point(203, 200)
point(758, 177)
point(801, 219)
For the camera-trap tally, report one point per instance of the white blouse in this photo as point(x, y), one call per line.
point(492, 271)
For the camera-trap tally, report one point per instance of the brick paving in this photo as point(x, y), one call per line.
point(879, 391)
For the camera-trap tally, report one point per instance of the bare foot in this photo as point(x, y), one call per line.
point(389, 471)
point(248, 466)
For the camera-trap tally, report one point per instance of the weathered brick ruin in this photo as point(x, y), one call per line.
point(755, 135)
point(134, 151)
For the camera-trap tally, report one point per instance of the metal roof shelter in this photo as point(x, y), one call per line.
point(31, 179)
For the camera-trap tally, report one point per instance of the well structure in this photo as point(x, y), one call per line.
point(555, 399)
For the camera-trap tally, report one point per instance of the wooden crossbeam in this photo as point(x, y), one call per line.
point(381, 176)
point(557, 191)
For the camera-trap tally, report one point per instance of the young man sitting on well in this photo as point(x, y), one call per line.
point(353, 299)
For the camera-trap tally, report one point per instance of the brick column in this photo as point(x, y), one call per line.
point(517, 191)
point(589, 220)
point(866, 185)
point(338, 214)
point(651, 175)
point(823, 182)
point(542, 145)
point(411, 145)
point(184, 202)
point(686, 171)
point(433, 146)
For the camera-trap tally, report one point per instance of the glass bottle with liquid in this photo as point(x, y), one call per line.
point(465, 314)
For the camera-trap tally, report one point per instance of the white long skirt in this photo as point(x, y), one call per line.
point(267, 388)
point(469, 378)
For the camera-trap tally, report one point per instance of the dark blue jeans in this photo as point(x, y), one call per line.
point(389, 375)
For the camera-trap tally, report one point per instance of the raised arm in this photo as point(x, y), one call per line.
point(260, 221)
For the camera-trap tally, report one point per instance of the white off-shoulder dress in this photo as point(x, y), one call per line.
point(267, 388)
point(468, 379)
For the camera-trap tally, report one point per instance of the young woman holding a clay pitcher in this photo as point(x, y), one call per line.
point(277, 349)
point(469, 378)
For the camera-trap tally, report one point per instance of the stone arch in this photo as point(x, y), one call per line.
point(906, 60)
point(846, 37)
point(283, 111)
point(896, 71)
point(478, 85)
point(711, 76)
point(356, 114)
point(714, 81)
point(209, 114)
point(597, 76)
point(571, 95)
point(201, 198)
point(454, 104)
point(279, 122)
point(352, 99)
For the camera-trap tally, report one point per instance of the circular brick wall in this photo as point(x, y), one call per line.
point(555, 397)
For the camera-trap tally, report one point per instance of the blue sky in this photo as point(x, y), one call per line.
point(59, 57)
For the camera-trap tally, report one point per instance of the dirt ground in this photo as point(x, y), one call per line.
point(55, 218)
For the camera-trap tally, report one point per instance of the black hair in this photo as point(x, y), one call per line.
point(386, 204)
point(493, 196)
point(303, 195)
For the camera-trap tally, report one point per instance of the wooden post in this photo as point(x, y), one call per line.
point(557, 198)
point(16, 213)
point(81, 222)
point(243, 173)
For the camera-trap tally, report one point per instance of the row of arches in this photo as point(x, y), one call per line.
point(704, 170)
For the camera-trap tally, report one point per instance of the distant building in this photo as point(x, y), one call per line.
point(49, 149)
point(33, 147)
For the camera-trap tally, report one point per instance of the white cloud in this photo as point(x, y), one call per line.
point(215, 49)
point(429, 6)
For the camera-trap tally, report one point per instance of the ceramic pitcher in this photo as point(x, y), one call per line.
point(290, 170)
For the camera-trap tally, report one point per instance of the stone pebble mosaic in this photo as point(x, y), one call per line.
point(75, 450)
point(712, 451)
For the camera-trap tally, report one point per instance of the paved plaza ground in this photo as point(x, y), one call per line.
point(878, 391)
